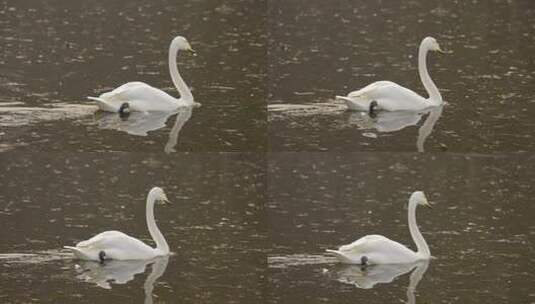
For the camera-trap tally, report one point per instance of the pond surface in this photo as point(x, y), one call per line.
point(57, 54)
point(480, 230)
point(215, 226)
point(319, 49)
point(253, 227)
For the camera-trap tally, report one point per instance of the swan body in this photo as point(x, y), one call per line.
point(377, 249)
point(116, 245)
point(119, 246)
point(142, 97)
point(391, 96)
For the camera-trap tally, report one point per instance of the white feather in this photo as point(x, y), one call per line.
point(142, 97)
point(391, 96)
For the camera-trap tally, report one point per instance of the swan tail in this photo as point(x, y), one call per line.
point(340, 256)
point(78, 253)
point(343, 98)
point(96, 98)
point(354, 104)
point(103, 104)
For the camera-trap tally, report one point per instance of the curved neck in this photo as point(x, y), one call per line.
point(434, 95)
point(155, 233)
point(417, 237)
point(181, 86)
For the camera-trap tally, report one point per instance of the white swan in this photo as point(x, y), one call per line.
point(116, 245)
point(389, 96)
point(377, 249)
point(139, 96)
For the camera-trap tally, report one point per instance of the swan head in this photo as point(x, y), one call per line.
point(431, 44)
point(158, 195)
point(419, 198)
point(182, 44)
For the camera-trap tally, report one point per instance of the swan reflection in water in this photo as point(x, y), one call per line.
point(122, 272)
point(367, 277)
point(385, 122)
point(140, 123)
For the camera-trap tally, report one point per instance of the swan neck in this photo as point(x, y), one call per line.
point(434, 94)
point(155, 233)
point(421, 245)
point(181, 86)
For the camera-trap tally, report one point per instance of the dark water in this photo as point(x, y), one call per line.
point(319, 49)
point(215, 226)
point(60, 52)
point(252, 227)
point(480, 230)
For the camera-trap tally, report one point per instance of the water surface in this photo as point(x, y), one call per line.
point(215, 227)
point(61, 52)
point(319, 49)
point(480, 228)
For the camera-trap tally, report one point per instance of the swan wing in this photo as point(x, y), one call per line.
point(369, 91)
point(360, 100)
point(103, 240)
point(364, 244)
point(116, 245)
point(390, 96)
point(120, 92)
point(150, 99)
point(140, 97)
point(377, 249)
point(112, 101)
point(353, 253)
